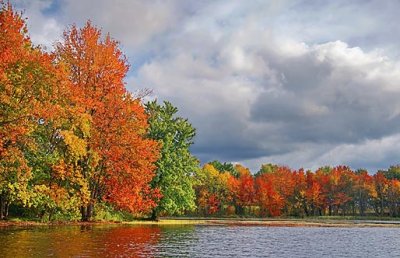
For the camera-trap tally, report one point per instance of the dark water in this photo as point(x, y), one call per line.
point(198, 241)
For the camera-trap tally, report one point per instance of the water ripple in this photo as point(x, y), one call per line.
point(198, 241)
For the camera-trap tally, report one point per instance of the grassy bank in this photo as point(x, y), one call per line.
point(272, 222)
point(286, 222)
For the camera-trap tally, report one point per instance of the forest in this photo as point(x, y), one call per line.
point(75, 144)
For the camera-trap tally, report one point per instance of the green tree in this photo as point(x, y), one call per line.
point(393, 172)
point(224, 167)
point(267, 168)
point(176, 165)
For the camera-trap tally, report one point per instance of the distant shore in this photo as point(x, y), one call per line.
point(269, 222)
point(272, 222)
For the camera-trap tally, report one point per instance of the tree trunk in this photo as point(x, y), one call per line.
point(41, 214)
point(362, 209)
point(83, 213)
point(7, 205)
point(239, 210)
point(376, 209)
point(87, 212)
point(313, 210)
point(306, 210)
point(154, 215)
point(2, 206)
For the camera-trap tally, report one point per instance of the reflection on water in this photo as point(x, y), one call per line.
point(82, 241)
point(198, 241)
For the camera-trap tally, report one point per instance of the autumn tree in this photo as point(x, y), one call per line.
point(118, 160)
point(393, 198)
point(315, 199)
point(57, 182)
point(242, 189)
point(268, 198)
point(212, 190)
point(26, 91)
point(335, 183)
point(176, 165)
point(279, 190)
point(363, 190)
point(297, 193)
point(379, 199)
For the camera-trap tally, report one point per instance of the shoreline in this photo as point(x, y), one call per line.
point(269, 222)
point(272, 222)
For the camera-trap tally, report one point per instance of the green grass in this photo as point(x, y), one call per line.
point(106, 213)
point(167, 222)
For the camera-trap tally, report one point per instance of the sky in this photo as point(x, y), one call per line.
point(297, 83)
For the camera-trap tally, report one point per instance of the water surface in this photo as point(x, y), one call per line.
point(198, 241)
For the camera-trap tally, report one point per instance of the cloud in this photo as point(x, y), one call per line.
point(134, 23)
point(374, 155)
point(293, 82)
point(44, 30)
point(255, 94)
point(138, 25)
point(333, 93)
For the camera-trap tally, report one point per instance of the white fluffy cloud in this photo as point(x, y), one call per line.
point(43, 29)
point(134, 23)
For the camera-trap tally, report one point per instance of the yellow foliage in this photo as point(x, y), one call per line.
point(76, 145)
point(210, 171)
point(84, 124)
point(243, 171)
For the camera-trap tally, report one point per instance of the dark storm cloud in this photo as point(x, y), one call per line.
point(328, 95)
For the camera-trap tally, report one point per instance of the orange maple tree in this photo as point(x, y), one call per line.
point(119, 160)
point(27, 77)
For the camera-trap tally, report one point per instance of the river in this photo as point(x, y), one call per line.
point(198, 241)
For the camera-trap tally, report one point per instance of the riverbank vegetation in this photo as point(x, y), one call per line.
point(75, 144)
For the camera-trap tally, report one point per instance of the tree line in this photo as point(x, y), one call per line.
point(227, 189)
point(74, 140)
